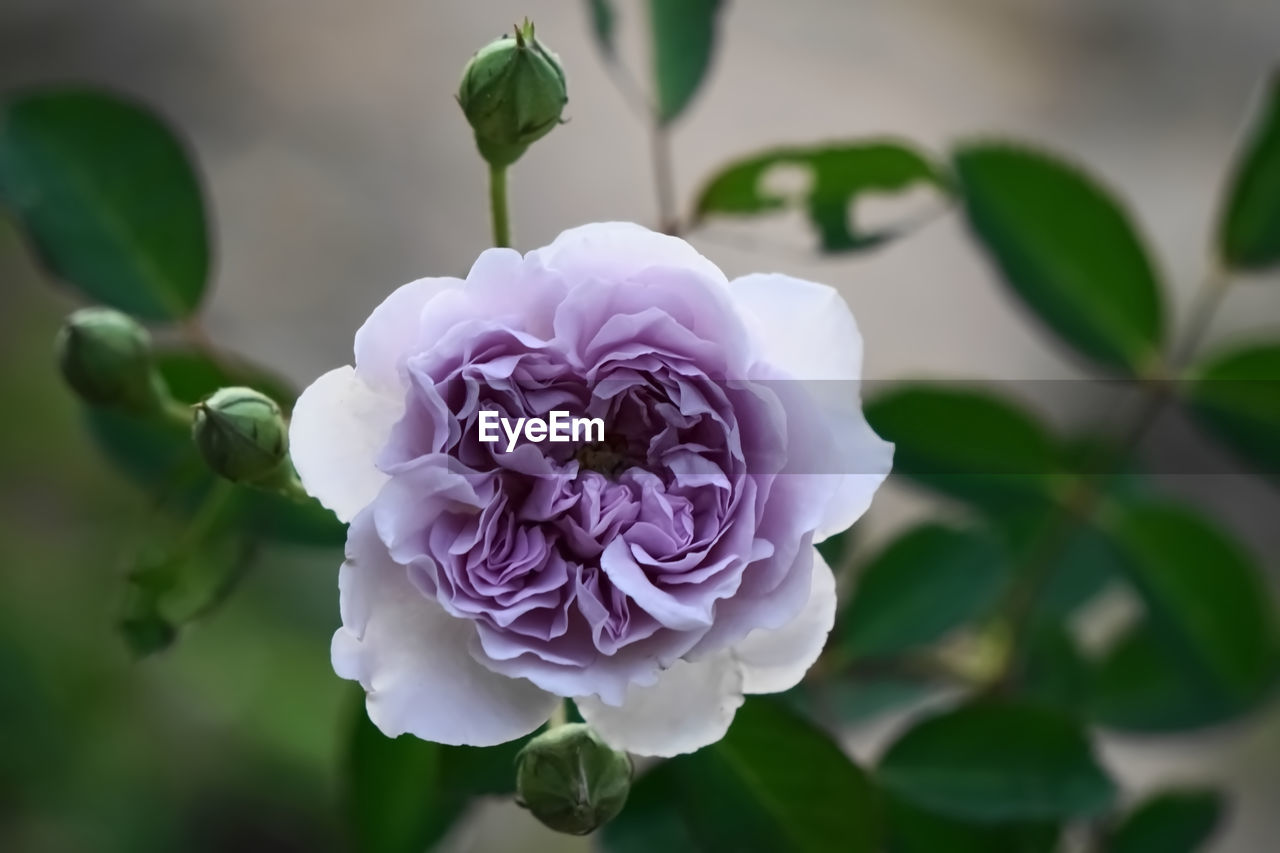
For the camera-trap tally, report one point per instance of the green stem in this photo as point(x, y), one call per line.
point(559, 716)
point(664, 180)
point(498, 206)
point(1082, 504)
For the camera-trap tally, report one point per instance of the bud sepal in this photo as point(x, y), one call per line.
point(105, 356)
point(512, 93)
point(571, 780)
point(242, 435)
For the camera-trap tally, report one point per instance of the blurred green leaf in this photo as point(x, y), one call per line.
point(182, 577)
point(926, 583)
point(914, 830)
point(995, 761)
point(1139, 685)
point(398, 799)
point(602, 25)
point(1169, 822)
point(684, 34)
point(109, 197)
point(161, 456)
point(651, 820)
point(1249, 233)
point(1054, 672)
point(1206, 600)
point(839, 175)
point(835, 549)
point(773, 784)
point(404, 794)
point(969, 444)
point(1081, 567)
point(863, 697)
point(1236, 395)
point(1067, 248)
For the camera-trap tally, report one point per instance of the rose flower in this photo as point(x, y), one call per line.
point(655, 576)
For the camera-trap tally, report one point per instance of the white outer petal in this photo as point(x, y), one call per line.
point(413, 659)
point(690, 706)
point(613, 250)
point(808, 330)
point(776, 660)
point(339, 425)
point(391, 332)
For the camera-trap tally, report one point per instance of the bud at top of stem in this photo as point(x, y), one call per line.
point(513, 93)
point(571, 780)
point(242, 435)
point(106, 357)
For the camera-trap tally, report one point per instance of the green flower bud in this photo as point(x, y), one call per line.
point(571, 780)
point(512, 93)
point(242, 435)
point(106, 357)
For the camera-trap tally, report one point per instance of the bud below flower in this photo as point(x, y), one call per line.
point(513, 93)
point(106, 357)
point(571, 780)
point(241, 434)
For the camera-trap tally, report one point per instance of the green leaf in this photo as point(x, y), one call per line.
point(651, 820)
point(1169, 822)
point(161, 456)
point(839, 175)
point(1082, 567)
point(684, 34)
point(1236, 396)
point(403, 794)
point(1206, 600)
point(928, 582)
point(1066, 247)
point(914, 830)
point(1249, 233)
point(1054, 672)
point(1140, 685)
point(968, 444)
point(995, 761)
point(180, 577)
point(397, 799)
point(109, 198)
point(602, 25)
point(773, 784)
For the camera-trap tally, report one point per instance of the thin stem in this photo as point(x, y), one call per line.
point(498, 206)
point(1203, 309)
point(663, 179)
point(1084, 500)
point(559, 716)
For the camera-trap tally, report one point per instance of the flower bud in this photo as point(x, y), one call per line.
point(106, 357)
point(512, 93)
point(571, 780)
point(241, 434)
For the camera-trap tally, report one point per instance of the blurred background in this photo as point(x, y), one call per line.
point(338, 166)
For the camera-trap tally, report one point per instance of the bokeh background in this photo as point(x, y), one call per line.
point(338, 167)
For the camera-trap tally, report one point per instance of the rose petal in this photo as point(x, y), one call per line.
point(690, 706)
point(391, 332)
point(413, 658)
point(808, 330)
point(615, 251)
point(776, 660)
point(338, 426)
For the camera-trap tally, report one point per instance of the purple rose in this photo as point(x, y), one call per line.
point(656, 568)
